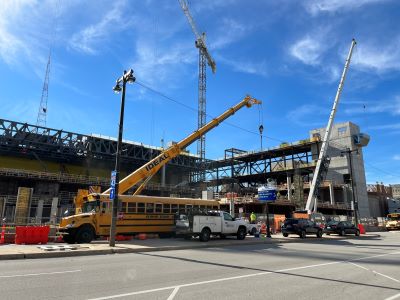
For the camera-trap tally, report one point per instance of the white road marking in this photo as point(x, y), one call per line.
point(172, 296)
point(391, 278)
point(383, 275)
point(397, 296)
point(177, 287)
point(359, 266)
point(38, 274)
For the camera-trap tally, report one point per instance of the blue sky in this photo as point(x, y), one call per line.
point(290, 54)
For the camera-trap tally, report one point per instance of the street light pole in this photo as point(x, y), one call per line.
point(126, 77)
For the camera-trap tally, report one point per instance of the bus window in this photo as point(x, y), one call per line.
point(123, 207)
point(202, 206)
point(140, 207)
point(149, 207)
point(174, 208)
point(209, 207)
point(167, 208)
point(181, 207)
point(158, 208)
point(131, 207)
point(189, 206)
point(215, 207)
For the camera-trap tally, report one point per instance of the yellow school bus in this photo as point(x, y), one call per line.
point(137, 214)
point(393, 221)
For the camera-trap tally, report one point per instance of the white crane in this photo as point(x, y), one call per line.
point(204, 56)
point(312, 199)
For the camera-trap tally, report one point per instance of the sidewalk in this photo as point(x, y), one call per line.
point(13, 251)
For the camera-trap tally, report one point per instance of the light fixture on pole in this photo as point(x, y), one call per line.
point(261, 129)
point(126, 77)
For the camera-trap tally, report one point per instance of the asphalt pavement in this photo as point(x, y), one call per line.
point(349, 268)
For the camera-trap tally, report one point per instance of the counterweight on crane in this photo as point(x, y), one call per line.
point(322, 159)
point(204, 56)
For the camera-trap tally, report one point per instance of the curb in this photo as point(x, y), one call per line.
point(121, 249)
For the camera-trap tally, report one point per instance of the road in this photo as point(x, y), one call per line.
point(349, 268)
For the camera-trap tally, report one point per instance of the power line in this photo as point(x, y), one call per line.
point(380, 170)
point(195, 110)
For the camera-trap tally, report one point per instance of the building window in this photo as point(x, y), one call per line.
point(342, 130)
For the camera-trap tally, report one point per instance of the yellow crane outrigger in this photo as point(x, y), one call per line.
point(146, 172)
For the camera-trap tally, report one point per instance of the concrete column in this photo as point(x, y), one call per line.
point(331, 193)
point(39, 211)
point(53, 213)
point(345, 200)
point(22, 206)
point(289, 187)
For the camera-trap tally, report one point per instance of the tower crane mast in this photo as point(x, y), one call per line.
point(204, 57)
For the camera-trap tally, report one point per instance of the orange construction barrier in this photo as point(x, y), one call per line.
point(361, 228)
point(3, 234)
point(20, 235)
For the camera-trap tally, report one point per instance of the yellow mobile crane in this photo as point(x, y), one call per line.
point(139, 213)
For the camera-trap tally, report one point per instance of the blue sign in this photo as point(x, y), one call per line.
point(267, 194)
point(112, 184)
point(112, 193)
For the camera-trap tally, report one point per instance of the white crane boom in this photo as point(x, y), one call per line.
point(311, 201)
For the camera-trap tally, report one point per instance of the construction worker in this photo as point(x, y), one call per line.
point(253, 218)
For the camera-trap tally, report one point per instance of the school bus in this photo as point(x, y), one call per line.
point(393, 221)
point(137, 214)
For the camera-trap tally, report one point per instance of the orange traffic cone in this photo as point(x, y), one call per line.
point(3, 233)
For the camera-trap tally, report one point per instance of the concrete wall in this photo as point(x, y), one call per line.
point(341, 138)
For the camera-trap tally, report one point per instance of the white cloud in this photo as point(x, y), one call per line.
point(380, 57)
point(396, 157)
point(315, 7)
point(304, 114)
point(164, 65)
point(12, 46)
point(308, 50)
point(230, 31)
point(245, 66)
point(86, 40)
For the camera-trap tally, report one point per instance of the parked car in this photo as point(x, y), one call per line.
point(301, 227)
point(341, 228)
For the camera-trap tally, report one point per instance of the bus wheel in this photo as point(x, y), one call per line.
point(85, 234)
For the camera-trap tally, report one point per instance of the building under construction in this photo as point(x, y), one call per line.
point(56, 163)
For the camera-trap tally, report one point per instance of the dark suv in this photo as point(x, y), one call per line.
point(301, 227)
point(341, 228)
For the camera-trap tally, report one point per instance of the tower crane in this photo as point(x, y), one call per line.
point(204, 56)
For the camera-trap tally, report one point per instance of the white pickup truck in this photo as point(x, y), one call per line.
point(204, 224)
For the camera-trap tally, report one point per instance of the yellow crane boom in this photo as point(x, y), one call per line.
point(145, 172)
